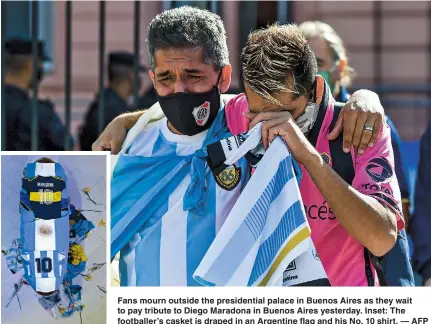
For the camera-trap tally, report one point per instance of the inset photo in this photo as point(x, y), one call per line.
point(53, 236)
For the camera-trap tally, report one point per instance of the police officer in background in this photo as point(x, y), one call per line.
point(18, 82)
point(148, 99)
point(117, 96)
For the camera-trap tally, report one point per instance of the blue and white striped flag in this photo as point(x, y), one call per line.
point(166, 206)
point(266, 230)
point(44, 229)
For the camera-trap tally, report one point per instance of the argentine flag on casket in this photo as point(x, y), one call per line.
point(45, 210)
point(265, 230)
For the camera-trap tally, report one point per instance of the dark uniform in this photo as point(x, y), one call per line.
point(147, 100)
point(19, 111)
point(114, 104)
point(421, 222)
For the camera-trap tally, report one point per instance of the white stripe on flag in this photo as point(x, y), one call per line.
point(225, 200)
point(142, 144)
point(45, 237)
point(246, 266)
point(50, 254)
point(61, 257)
point(287, 197)
point(212, 268)
point(173, 257)
point(243, 206)
point(129, 260)
point(45, 169)
point(45, 284)
point(37, 274)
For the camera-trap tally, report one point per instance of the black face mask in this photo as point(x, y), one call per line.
point(191, 113)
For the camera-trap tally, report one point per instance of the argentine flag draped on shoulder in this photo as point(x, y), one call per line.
point(192, 219)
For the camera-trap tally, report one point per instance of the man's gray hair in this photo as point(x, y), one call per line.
point(318, 29)
point(189, 27)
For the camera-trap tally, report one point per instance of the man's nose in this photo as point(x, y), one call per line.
point(179, 86)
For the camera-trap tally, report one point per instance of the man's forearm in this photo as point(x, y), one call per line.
point(373, 225)
point(129, 119)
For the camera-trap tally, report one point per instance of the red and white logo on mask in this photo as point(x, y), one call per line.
point(202, 113)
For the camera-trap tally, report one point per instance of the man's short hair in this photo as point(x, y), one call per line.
point(15, 64)
point(318, 29)
point(278, 59)
point(189, 27)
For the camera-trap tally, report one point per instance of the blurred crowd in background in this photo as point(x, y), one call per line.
point(381, 46)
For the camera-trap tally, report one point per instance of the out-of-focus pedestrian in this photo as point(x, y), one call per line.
point(18, 82)
point(333, 66)
point(116, 95)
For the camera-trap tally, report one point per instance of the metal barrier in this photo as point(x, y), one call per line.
point(3, 101)
point(284, 15)
point(136, 45)
point(34, 9)
point(35, 86)
point(101, 108)
point(68, 74)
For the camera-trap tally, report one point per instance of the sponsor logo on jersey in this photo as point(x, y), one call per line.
point(239, 139)
point(323, 211)
point(45, 184)
point(377, 187)
point(202, 113)
point(326, 158)
point(289, 278)
point(229, 178)
point(291, 266)
point(379, 169)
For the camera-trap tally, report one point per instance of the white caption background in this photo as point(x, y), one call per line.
point(151, 305)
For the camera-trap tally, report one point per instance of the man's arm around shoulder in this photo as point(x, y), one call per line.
point(373, 217)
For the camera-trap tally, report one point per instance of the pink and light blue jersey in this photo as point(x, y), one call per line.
point(344, 258)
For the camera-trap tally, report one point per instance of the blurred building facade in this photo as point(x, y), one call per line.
point(389, 45)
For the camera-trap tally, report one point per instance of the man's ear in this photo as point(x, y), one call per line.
point(152, 77)
point(225, 78)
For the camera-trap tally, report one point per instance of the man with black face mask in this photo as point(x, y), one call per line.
point(189, 69)
point(117, 96)
point(18, 83)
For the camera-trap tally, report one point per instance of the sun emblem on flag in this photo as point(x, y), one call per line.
point(202, 113)
point(45, 230)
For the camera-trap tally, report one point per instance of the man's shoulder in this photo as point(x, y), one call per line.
point(150, 128)
point(146, 136)
point(234, 110)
